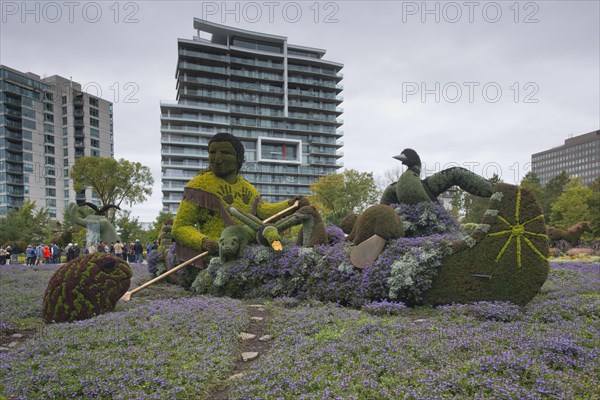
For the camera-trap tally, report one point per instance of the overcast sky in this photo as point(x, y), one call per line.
point(478, 84)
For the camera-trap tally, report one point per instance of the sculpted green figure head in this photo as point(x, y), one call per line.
point(225, 155)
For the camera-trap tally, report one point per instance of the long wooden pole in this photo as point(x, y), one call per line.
point(127, 296)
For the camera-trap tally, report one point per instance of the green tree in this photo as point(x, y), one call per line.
point(114, 182)
point(475, 206)
point(553, 189)
point(340, 194)
point(572, 205)
point(594, 206)
point(129, 228)
point(27, 224)
point(153, 233)
point(532, 182)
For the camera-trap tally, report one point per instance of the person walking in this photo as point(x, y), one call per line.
point(14, 254)
point(139, 250)
point(30, 253)
point(118, 249)
point(47, 254)
point(76, 250)
point(39, 254)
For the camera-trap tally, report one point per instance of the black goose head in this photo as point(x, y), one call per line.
point(409, 157)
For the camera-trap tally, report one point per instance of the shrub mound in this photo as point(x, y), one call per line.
point(84, 287)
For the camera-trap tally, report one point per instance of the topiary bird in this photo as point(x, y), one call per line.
point(411, 189)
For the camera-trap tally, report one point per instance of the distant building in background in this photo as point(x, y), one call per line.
point(45, 124)
point(579, 157)
point(281, 100)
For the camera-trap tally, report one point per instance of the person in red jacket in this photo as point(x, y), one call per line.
point(47, 254)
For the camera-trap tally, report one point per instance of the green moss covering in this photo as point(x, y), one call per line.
point(205, 216)
point(379, 220)
point(87, 286)
point(504, 259)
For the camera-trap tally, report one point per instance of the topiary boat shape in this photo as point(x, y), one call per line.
point(504, 259)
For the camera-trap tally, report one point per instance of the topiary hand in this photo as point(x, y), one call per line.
point(246, 195)
point(303, 201)
point(210, 245)
point(226, 194)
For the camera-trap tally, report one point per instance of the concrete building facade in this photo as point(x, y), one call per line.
point(579, 157)
point(281, 100)
point(45, 125)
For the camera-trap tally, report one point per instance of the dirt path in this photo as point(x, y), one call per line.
point(255, 343)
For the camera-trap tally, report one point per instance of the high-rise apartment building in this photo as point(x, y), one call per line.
point(45, 124)
point(281, 100)
point(579, 157)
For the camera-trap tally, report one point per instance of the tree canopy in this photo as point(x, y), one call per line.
point(27, 225)
point(340, 194)
point(114, 182)
point(572, 206)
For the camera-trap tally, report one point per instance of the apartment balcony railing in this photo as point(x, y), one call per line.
point(206, 56)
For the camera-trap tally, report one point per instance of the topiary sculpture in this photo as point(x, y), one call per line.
point(380, 220)
point(502, 260)
point(410, 189)
point(571, 235)
point(87, 286)
point(313, 229)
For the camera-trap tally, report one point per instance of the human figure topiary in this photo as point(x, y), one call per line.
point(204, 211)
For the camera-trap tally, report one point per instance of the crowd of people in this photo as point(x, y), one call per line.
point(53, 253)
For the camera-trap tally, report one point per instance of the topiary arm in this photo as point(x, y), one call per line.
point(247, 219)
point(71, 211)
point(184, 226)
point(265, 210)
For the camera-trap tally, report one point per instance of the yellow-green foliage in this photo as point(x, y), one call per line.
point(193, 223)
point(506, 261)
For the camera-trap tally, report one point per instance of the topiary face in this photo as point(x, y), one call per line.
point(84, 287)
point(222, 159)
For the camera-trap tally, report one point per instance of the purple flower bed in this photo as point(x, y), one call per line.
point(161, 349)
point(185, 348)
point(483, 350)
point(402, 272)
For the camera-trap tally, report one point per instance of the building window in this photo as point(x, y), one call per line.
point(48, 139)
point(279, 150)
point(50, 192)
point(95, 143)
point(50, 181)
point(95, 153)
point(50, 171)
point(64, 99)
point(94, 122)
point(49, 107)
point(48, 128)
point(49, 149)
point(94, 132)
point(49, 160)
point(48, 117)
point(94, 112)
point(94, 101)
point(49, 96)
